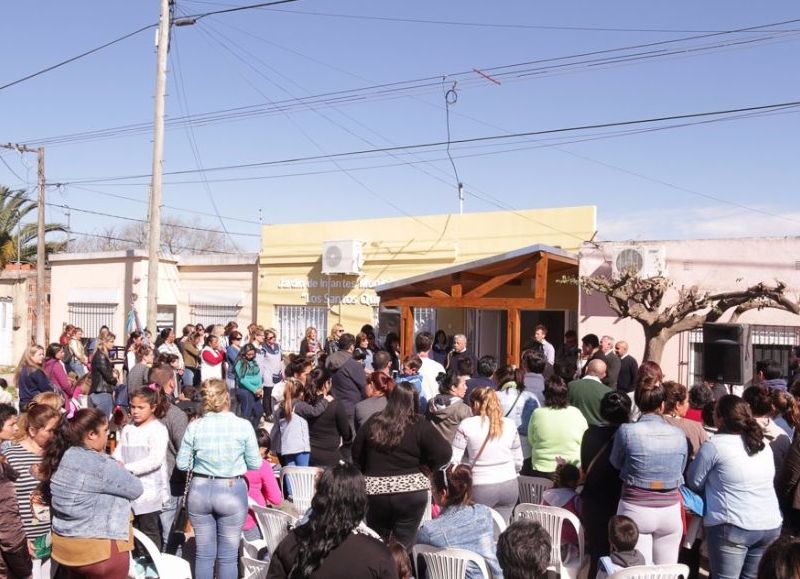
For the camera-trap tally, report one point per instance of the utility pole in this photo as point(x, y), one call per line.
point(40, 293)
point(154, 237)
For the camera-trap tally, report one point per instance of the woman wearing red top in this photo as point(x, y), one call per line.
point(699, 396)
point(211, 359)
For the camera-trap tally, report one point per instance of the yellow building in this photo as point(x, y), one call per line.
point(293, 291)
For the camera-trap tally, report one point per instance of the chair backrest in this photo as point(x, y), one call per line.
point(165, 565)
point(676, 571)
point(532, 487)
point(552, 520)
point(303, 482)
point(427, 514)
point(274, 525)
point(254, 569)
point(500, 523)
point(447, 563)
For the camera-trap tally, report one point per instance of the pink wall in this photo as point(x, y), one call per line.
point(714, 265)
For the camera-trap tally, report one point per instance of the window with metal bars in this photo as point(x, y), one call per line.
point(292, 321)
point(210, 314)
point(90, 317)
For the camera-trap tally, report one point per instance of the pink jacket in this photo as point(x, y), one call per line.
point(263, 488)
point(57, 375)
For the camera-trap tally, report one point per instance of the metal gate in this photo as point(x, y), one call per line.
point(91, 316)
point(292, 322)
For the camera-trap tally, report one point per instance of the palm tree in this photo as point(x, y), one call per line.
point(14, 206)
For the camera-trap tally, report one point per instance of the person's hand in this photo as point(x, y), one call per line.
point(329, 398)
point(259, 393)
point(560, 461)
point(30, 549)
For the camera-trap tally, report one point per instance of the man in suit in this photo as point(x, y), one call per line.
point(590, 350)
point(612, 362)
point(628, 368)
point(458, 352)
point(585, 394)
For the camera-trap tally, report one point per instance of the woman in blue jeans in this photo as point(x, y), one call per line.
point(218, 448)
point(735, 470)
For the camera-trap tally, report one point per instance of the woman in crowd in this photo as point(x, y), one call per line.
point(219, 448)
point(760, 399)
point(191, 357)
point(328, 431)
point(555, 430)
point(699, 396)
point(452, 491)
point(229, 329)
point(332, 341)
point(781, 560)
point(518, 405)
point(651, 456)
point(261, 486)
point(135, 340)
point(56, 372)
point(249, 385)
point(231, 355)
point(392, 345)
point(102, 333)
point(211, 359)
point(490, 443)
point(291, 425)
point(391, 448)
point(30, 378)
point(104, 375)
point(93, 543)
point(379, 384)
point(137, 375)
point(363, 350)
point(676, 405)
point(787, 411)
point(332, 542)
point(448, 408)
point(735, 471)
point(602, 486)
point(15, 560)
point(441, 346)
point(310, 346)
point(36, 429)
point(168, 346)
point(78, 359)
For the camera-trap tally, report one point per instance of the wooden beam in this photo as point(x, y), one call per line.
point(437, 293)
point(540, 281)
point(513, 329)
point(453, 302)
point(494, 283)
point(406, 331)
point(456, 290)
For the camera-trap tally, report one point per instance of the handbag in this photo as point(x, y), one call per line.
point(177, 532)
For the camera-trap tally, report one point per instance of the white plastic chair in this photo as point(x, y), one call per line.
point(447, 563)
point(676, 571)
point(303, 483)
point(274, 525)
point(552, 520)
point(500, 523)
point(427, 515)
point(166, 565)
point(532, 487)
point(254, 569)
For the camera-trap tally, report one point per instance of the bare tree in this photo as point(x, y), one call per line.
point(178, 237)
point(642, 299)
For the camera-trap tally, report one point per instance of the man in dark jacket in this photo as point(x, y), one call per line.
point(459, 352)
point(628, 368)
point(348, 378)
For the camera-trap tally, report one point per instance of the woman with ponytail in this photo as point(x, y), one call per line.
point(489, 442)
point(735, 471)
point(331, 541)
point(90, 500)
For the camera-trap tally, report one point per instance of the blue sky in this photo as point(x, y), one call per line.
point(729, 178)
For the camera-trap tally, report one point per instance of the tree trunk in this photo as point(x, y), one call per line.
point(654, 346)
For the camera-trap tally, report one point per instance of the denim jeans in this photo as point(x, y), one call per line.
point(168, 511)
point(188, 376)
point(250, 407)
point(103, 401)
point(217, 509)
point(735, 552)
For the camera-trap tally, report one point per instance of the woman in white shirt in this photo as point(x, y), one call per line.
point(492, 447)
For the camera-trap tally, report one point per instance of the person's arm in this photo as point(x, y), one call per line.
point(269, 485)
point(103, 365)
point(343, 424)
point(310, 410)
point(359, 450)
point(516, 452)
point(178, 422)
point(186, 449)
point(158, 440)
point(700, 468)
point(252, 457)
point(40, 382)
point(119, 482)
point(789, 476)
point(619, 449)
point(212, 357)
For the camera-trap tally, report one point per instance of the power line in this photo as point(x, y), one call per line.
point(486, 138)
point(13, 172)
point(138, 242)
point(77, 57)
point(192, 18)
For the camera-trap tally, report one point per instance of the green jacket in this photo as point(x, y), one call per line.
point(248, 375)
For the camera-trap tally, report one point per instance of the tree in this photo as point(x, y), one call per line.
point(178, 237)
point(642, 299)
point(18, 240)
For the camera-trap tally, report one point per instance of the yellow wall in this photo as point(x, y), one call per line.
point(397, 248)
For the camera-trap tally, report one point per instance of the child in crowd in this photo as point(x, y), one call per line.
point(411, 366)
point(262, 487)
point(15, 560)
point(5, 395)
point(401, 560)
point(142, 449)
point(622, 537)
point(564, 494)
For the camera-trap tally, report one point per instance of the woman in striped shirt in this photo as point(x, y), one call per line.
point(36, 429)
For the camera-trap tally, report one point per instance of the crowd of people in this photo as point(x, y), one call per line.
point(426, 449)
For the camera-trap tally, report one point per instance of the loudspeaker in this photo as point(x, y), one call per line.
point(727, 353)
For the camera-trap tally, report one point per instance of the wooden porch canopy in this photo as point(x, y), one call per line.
point(512, 281)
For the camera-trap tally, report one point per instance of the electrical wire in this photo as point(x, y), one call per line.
point(196, 17)
point(11, 170)
point(138, 242)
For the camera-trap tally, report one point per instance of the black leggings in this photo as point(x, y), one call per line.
point(397, 516)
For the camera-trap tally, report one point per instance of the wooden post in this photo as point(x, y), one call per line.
point(406, 331)
point(513, 329)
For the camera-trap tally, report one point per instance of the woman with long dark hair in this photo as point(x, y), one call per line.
point(104, 376)
point(331, 542)
point(249, 385)
point(448, 408)
point(391, 448)
point(735, 471)
point(56, 372)
point(331, 429)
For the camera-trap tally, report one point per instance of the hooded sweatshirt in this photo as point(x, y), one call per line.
point(617, 561)
point(776, 384)
point(348, 380)
point(445, 413)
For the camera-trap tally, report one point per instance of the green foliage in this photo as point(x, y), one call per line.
point(17, 239)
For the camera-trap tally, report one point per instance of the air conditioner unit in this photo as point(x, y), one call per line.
point(343, 257)
point(642, 261)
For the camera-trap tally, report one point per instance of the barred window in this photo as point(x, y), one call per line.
point(208, 314)
point(292, 321)
point(91, 316)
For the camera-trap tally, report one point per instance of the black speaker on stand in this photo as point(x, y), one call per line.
point(727, 353)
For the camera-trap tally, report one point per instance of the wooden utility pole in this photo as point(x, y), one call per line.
point(154, 236)
point(40, 254)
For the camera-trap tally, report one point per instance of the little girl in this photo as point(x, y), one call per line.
point(262, 487)
point(564, 494)
point(142, 449)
